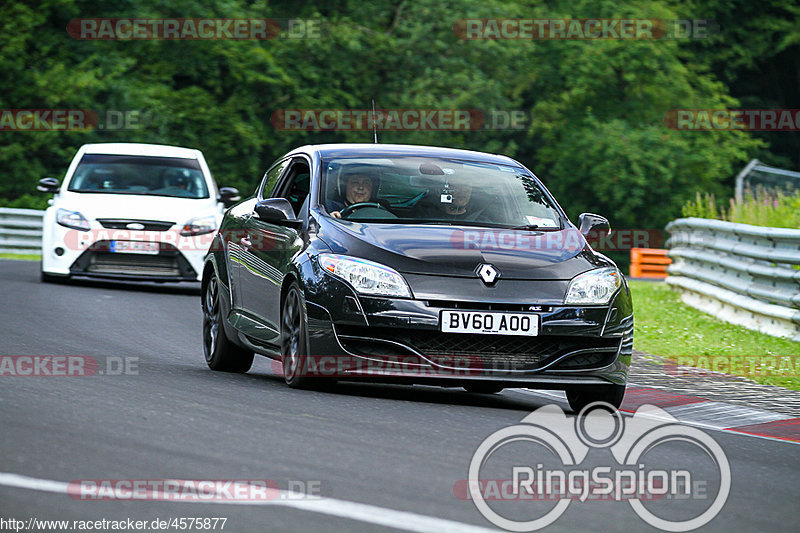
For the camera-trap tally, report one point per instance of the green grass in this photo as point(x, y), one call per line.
point(666, 326)
point(761, 207)
point(22, 257)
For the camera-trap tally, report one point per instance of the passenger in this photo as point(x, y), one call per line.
point(454, 201)
point(460, 194)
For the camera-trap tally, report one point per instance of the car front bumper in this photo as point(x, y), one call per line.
point(72, 252)
point(399, 340)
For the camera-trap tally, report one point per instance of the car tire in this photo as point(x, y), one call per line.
point(579, 398)
point(221, 354)
point(483, 388)
point(294, 340)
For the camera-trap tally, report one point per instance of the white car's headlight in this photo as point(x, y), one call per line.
point(595, 287)
point(199, 226)
point(72, 219)
point(365, 276)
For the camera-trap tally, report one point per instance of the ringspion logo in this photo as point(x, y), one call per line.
point(542, 459)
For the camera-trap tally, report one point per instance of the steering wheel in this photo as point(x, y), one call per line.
point(353, 207)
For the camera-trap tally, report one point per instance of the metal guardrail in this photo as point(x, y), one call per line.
point(757, 174)
point(743, 274)
point(20, 231)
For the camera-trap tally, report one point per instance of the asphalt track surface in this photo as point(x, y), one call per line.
point(384, 457)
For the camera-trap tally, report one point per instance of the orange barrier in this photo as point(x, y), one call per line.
point(649, 263)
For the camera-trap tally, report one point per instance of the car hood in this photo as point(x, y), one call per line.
point(140, 207)
point(459, 250)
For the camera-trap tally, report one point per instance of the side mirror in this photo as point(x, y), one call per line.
point(277, 211)
point(591, 222)
point(48, 185)
point(229, 196)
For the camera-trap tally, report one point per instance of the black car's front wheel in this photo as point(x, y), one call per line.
point(579, 398)
point(221, 354)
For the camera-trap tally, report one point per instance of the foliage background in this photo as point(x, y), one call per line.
point(597, 135)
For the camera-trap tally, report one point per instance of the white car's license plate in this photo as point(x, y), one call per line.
point(135, 247)
point(490, 323)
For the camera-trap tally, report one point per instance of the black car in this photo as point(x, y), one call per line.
point(414, 264)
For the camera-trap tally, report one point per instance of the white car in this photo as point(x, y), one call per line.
point(132, 211)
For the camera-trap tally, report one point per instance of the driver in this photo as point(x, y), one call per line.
point(359, 186)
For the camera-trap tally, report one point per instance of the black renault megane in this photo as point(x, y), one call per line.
point(413, 264)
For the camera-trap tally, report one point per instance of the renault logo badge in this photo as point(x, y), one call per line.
point(487, 273)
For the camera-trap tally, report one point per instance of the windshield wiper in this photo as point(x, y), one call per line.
point(536, 227)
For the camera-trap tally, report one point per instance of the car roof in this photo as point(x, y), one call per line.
point(152, 150)
point(389, 150)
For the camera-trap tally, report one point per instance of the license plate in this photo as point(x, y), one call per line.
point(135, 247)
point(490, 323)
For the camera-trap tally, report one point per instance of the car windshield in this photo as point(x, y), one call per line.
point(143, 175)
point(422, 190)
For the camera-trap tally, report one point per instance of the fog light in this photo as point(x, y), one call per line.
point(59, 251)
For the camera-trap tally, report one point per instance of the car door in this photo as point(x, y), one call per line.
point(235, 233)
point(268, 252)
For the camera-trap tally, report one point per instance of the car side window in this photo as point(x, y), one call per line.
point(296, 186)
point(271, 178)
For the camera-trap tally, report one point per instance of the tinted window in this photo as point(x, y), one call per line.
point(297, 185)
point(271, 178)
point(436, 191)
point(142, 175)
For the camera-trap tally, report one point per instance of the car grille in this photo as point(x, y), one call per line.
point(451, 304)
point(487, 352)
point(133, 264)
point(149, 225)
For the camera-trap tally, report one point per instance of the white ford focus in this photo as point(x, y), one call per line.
point(132, 211)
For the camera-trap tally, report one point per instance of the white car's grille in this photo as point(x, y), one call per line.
point(148, 225)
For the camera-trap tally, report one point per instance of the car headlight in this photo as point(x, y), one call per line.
point(365, 276)
point(595, 287)
point(72, 219)
point(199, 226)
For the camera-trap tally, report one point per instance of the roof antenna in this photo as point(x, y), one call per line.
point(374, 124)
